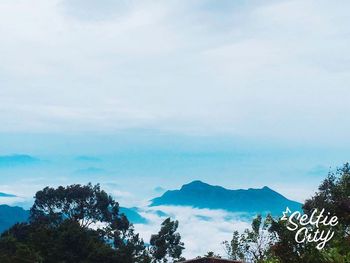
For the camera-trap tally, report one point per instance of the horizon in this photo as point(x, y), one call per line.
point(166, 161)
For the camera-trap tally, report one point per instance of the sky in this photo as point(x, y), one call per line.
point(271, 70)
point(146, 95)
point(269, 78)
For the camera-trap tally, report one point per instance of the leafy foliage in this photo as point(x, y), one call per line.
point(12, 251)
point(251, 245)
point(82, 224)
point(167, 243)
point(211, 254)
point(279, 245)
point(334, 196)
point(85, 204)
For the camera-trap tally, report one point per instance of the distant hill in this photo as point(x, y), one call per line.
point(10, 215)
point(201, 195)
point(133, 216)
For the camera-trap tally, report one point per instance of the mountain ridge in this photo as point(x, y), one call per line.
point(202, 195)
point(10, 215)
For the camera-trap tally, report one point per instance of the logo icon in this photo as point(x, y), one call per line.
point(314, 228)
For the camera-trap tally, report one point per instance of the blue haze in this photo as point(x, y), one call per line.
point(136, 162)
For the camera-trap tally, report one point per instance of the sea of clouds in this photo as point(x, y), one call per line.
point(202, 230)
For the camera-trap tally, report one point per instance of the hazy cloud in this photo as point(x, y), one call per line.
point(17, 160)
point(218, 224)
point(273, 69)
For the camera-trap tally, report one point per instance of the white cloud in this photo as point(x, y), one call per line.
point(14, 201)
point(273, 69)
point(198, 234)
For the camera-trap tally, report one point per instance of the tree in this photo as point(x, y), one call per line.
point(85, 204)
point(76, 224)
point(211, 254)
point(285, 249)
point(167, 243)
point(68, 242)
point(12, 251)
point(88, 206)
point(279, 245)
point(334, 196)
point(235, 248)
point(131, 247)
point(253, 244)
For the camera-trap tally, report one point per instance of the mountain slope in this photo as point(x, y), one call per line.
point(132, 215)
point(10, 215)
point(202, 195)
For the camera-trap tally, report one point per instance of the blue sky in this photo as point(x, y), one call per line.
point(242, 94)
point(135, 162)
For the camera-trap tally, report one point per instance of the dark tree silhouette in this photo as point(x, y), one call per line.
point(74, 224)
point(167, 243)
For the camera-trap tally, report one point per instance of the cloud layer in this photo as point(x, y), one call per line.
point(202, 230)
point(271, 69)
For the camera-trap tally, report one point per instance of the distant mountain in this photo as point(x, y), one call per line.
point(10, 215)
point(201, 195)
point(17, 159)
point(132, 215)
point(6, 195)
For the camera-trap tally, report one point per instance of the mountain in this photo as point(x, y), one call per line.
point(132, 215)
point(201, 195)
point(10, 215)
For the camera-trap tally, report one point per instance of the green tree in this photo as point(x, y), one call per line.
point(85, 204)
point(211, 254)
point(89, 206)
point(279, 245)
point(68, 242)
point(12, 251)
point(131, 247)
point(253, 244)
point(167, 243)
point(334, 196)
point(77, 224)
point(235, 248)
point(285, 249)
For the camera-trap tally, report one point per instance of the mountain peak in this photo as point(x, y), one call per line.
point(196, 183)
